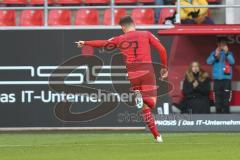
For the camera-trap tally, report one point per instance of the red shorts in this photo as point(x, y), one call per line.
point(145, 82)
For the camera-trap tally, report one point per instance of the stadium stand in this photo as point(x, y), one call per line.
point(143, 16)
point(165, 13)
point(14, 1)
point(7, 18)
point(96, 1)
point(146, 1)
point(118, 13)
point(68, 1)
point(31, 18)
point(59, 17)
point(125, 1)
point(87, 17)
point(40, 2)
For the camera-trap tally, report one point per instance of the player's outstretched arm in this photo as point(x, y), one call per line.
point(97, 43)
point(93, 43)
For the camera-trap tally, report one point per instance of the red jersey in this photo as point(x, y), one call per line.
point(135, 46)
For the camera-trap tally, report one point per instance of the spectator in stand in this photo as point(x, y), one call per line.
point(195, 15)
point(196, 88)
point(222, 60)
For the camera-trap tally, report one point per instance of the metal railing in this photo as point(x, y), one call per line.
point(112, 6)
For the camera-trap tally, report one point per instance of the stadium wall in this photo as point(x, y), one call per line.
point(30, 56)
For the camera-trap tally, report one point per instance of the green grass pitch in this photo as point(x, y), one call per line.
point(119, 146)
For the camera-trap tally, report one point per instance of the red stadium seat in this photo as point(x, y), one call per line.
point(68, 1)
point(143, 16)
point(87, 17)
point(31, 18)
point(40, 2)
point(7, 18)
point(14, 1)
point(118, 14)
point(125, 1)
point(146, 1)
point(165, 13)
point(96, 1)
point(59, 17)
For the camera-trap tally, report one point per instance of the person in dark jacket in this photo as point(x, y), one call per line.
point(196, 88)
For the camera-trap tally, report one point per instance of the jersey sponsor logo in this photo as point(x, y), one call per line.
point(123, 45)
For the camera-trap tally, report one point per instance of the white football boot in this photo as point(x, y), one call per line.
point(159, 139)
point(138, 99)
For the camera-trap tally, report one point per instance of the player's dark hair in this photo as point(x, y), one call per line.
point(126, 21)
point(222, 39)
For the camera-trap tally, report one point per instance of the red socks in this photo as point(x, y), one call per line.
point(149, 120)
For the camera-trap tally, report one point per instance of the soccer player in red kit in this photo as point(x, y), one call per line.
point(137, 59)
